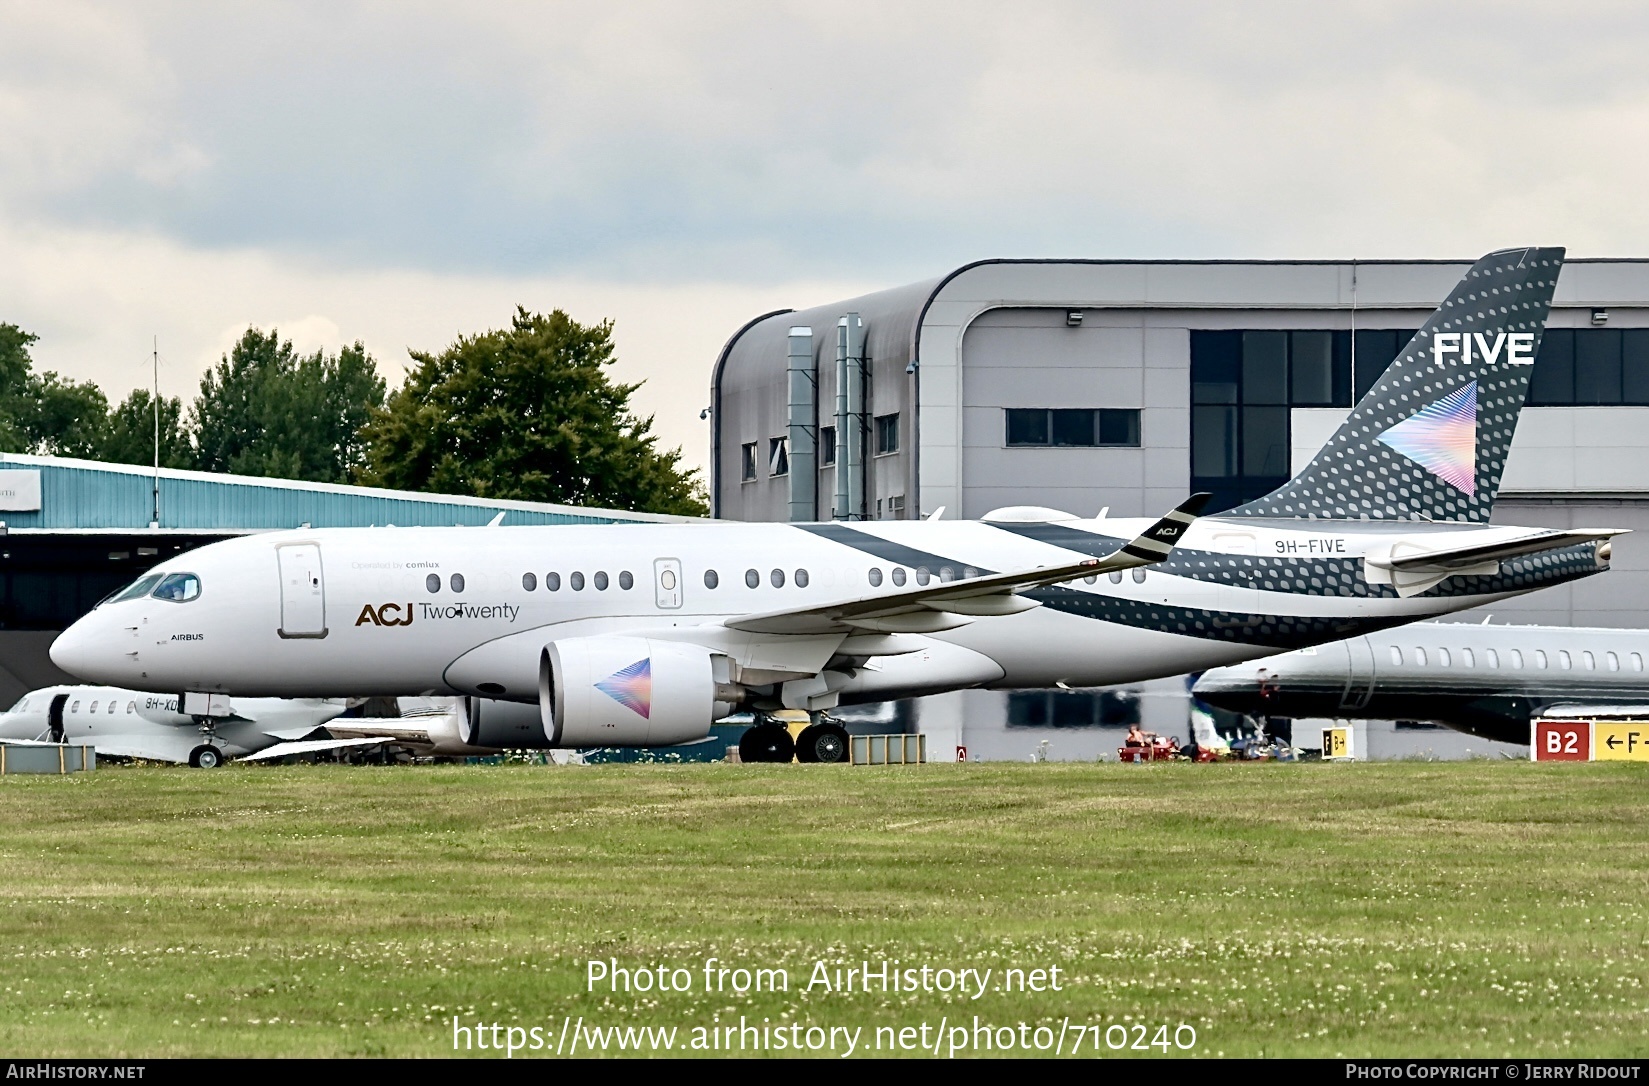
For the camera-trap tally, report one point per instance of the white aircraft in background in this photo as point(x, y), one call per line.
point(133, 724)
point(644, 635)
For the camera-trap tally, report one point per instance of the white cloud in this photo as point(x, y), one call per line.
point(98, 298)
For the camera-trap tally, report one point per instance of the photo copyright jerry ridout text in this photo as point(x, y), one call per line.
point(578, 1037)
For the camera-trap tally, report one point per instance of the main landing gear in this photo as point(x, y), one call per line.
point(769, 741)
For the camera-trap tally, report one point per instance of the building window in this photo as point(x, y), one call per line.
point(827, 446)
point(1072, 709)
point(896, 507)
point(747, 466)
point(1591, 367)
point(887, 434)
point(778, 456)
point(1243, 385)
point(1082, 428)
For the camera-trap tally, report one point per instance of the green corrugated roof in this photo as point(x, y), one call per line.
point(89, 495)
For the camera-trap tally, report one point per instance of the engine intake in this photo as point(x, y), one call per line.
point(507, 725)
point(632, 691)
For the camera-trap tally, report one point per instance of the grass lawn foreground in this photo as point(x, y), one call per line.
point(1400, 909)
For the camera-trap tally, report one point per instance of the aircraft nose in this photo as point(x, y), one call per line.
point(78, 650)
point(1232, 688)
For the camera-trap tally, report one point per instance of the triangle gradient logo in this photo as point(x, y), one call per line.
point(1442, 438)
point(631, 687)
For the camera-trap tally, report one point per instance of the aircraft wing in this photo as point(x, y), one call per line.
point(988, 595)
point(281, 750)
point(1532, 542)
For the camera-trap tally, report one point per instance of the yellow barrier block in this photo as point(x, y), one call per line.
point(1623, 742)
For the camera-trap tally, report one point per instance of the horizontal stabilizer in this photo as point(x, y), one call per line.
point(1415, 570)
point(923, 608)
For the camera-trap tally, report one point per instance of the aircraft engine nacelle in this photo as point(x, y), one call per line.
point(505, 725)
point(632, 691)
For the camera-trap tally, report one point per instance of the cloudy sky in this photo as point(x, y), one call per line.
point(403, 172)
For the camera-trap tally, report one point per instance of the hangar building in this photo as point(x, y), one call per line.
point(72, 531)
point(1081, 384)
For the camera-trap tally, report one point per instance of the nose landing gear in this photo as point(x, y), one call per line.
point(206, 756)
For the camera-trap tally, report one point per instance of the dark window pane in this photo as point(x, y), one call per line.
point(1216, 362)
point(1027, 709)
point(1597, 365)
point(1119, 426)
point(1375, 349)
point(887, 433)
point(1634, 365)
point(1553, 380)
point(1214, 441)
point(747, 466)
point(1073, 427)
point(1265, 441)
point(1342, 369)
point(827, 445)
point(1311, 369)
point(778, 456)
point(1074, 709)
point(1027, 427)
point(1117, 709)
point(1265, 367)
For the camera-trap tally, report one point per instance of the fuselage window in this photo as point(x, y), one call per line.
point(1442, 657)
point(1564, 660)
point(1419, 656)
point(875, 577)
point(1517, 659)
point(777, 578)
point(899, 576)
point(131, 706)
point(1589, 661)
point(969, 571)
point(1612, 661)
point(1092, 578)
point(625, 580)
point(575, 581)
point(946, 574)
point(1139, 574)
point(752, 579)
point(600, 580)
point(1492, 657)
point(433, 582)
point(178, 588)
point(552, 581)
point(922, 575)
point(801, 578)
point(112, 706)
point(1637, 661)
point(1397, 656)
point(710, 579)
point(93, 709)
point(1467, 659)
point(75, 708)
point(529, 581)
point(1115, 576)
point(457, 582)
point(1540, 659)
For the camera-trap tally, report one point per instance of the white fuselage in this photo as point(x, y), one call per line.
point(137, 724)
point(407, 611)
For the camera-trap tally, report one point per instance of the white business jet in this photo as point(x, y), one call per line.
point(644, 635)
point(133, 724)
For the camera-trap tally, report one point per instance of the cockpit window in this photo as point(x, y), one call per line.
point(138, 588)
point(178, 587)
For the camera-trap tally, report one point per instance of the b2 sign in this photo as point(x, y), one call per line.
point(1565, 741)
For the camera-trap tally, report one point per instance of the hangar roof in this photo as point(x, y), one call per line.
point(49, 492)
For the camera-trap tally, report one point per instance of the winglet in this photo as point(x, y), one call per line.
point(1155, 543)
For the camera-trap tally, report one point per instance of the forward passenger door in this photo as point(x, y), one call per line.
point(303, 590)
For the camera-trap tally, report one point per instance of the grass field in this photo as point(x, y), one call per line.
point(1396, 909)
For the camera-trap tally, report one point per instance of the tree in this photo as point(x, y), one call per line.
point(16, 374)
point(45, 413)
point(527, 412)
point(264, 410)
point(129, 437)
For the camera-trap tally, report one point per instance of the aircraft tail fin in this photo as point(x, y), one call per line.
point(1429, 439)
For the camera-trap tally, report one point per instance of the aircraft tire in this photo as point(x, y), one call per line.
point(206, 756)
point(766, 743)
point(822, 742)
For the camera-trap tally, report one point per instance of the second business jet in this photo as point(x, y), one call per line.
point(571, 636)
